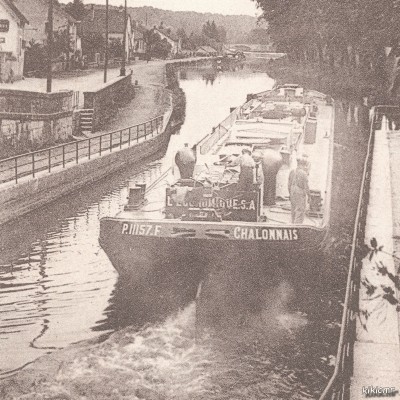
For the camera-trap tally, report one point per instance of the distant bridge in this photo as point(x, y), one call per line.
point(256, 50)
point(264, 48)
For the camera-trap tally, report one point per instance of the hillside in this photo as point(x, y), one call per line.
point(236, 26)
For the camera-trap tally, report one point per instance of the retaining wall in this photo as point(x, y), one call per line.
point(21, 198)
point(106, 100)
point(31, 120)
point(16, 200)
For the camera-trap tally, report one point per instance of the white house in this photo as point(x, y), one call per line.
point(140, 45)
point(12, 24)
point(37, 13)
point(172, 39)
point(94, 22)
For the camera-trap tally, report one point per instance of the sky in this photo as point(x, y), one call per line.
point(227, 7)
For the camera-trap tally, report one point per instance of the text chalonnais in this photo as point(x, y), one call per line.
point(242, 233)
point(141, 229)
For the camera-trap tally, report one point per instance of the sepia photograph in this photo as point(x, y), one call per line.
point(199, 200)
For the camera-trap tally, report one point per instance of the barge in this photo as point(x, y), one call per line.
point(207, 213)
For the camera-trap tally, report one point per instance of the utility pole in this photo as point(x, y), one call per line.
point(123, 65)
point(68, 44)
point(106, 46)
point(50, 45)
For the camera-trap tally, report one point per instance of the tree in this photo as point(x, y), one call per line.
point(213, 33)
point(210, 30)
point(92, 43)
point(115, 47)
point(157, 47)
point(333, 31)
point(258, 36)
point(35, 57)
point(184, 39)
point(76, 9)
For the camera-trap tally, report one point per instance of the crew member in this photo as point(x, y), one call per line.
point(271, 162)
point(247, 164)
point(299, 190)
point(185, 159)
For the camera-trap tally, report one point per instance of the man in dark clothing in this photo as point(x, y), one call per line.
point(298, 190)
point(246, 176)
point(272, 162)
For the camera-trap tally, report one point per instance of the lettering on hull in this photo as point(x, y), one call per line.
point(271, 234)
point(140, 229)
point(238, 232)
point(217, 202)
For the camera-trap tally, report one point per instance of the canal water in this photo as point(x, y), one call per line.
point(58, 287)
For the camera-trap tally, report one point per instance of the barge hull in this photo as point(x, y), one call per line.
point(136, 255)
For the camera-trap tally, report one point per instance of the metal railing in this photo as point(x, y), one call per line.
point(30, 164)
point(212, 138)
point(338, 386)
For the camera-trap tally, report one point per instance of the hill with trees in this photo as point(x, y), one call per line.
point(236, 27)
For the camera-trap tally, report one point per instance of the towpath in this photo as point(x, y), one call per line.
point(150, 99)
point(376, 371)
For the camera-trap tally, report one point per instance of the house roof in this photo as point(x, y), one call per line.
point(141, 28)
point(29, 8)
point(16, 11)
point(209, 49)
point(167, 33)
point(94, 20)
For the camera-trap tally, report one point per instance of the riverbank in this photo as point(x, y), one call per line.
point(156, 97)
point(339, 83)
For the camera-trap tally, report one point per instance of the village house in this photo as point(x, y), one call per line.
point(140, 45)
point(94, 22)
point(172, 39)
point(12, 44)
point(206, 51)
point(36, 11)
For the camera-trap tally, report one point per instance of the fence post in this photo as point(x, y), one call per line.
point(120, 139)
point(145, 131)
point(129, 137)
point(63, 156)
point(77, 154)
point(110, 142)
point(49, 160)
point(89, 147)
point(33, 165)
point(100, 145)
point(151, 128)
point(16, 169)
point(137, 133)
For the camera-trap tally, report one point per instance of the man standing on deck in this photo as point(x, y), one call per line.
point(299, 190)
point(246, 177)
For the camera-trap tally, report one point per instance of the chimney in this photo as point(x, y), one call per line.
point(92, 12)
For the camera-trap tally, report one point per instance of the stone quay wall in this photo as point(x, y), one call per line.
point(106, 101)
point(16, 200)
point(32, 120)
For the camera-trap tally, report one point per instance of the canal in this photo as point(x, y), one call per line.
point(57, 287)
